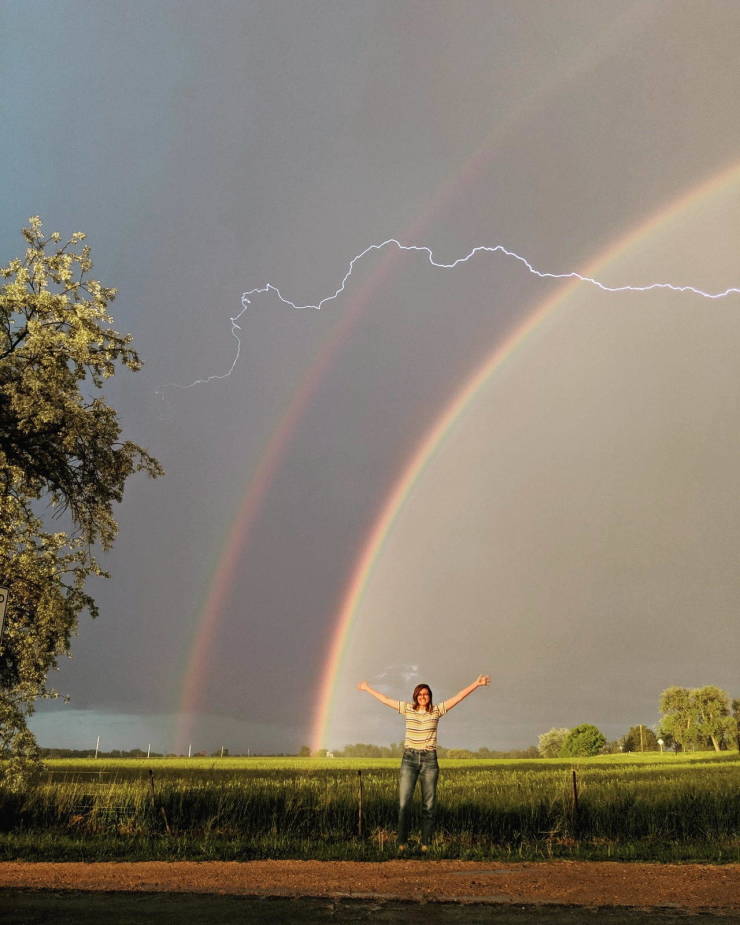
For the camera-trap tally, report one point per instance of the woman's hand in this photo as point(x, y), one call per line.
point(364, 686)
point(481, 681)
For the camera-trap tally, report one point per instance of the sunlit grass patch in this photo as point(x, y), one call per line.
point(630, 807)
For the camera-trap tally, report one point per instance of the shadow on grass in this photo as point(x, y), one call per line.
point(27, 907)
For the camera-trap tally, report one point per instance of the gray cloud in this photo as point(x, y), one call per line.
point(260, 142)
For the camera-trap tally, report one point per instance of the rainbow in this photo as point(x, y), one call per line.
point(436, 435)
point(197, 656)
point(238, 537)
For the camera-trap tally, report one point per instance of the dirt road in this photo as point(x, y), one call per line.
point(690, 887)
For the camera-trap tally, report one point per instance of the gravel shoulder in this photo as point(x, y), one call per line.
point(689, 887)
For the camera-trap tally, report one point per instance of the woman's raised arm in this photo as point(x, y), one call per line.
point(481, 681)
point(364, 686)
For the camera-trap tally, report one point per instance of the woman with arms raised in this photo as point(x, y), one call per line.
point(420, 752)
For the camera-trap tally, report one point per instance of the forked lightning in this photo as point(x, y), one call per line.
point(480, 249)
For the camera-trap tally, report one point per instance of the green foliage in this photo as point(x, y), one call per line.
point(676, 721)
point(364, 750)
point(582, 742)
point(713, 719)
point(60, 447)
point(639, 739)
point(698, 716)
point(550, 743)
point(395, 750)
point(102, 755)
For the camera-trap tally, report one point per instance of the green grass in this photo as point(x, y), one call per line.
point(638, 807)
point(140, 765)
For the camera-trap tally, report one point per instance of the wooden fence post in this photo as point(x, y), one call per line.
point(575, 802)
point(359, 803)
point(154, 802)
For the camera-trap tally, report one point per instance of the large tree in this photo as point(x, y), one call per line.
point(640, 739)
point(695, 717)
point(550, 742)
point(677, 720)
point(713, 716)
point(582, 742)
point(62, 462)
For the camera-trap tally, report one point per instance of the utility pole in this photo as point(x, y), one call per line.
point(642, 738)
point(97, 747)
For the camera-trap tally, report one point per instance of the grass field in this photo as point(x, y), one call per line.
point(639, 807)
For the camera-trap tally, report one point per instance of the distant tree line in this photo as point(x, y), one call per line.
point(90, 752)
point(121, 753)
point(395, 750)
point(530, 752)
point(692, 720)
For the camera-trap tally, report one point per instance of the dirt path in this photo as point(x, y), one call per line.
point(691, 887)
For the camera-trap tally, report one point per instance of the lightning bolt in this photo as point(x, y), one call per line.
point(246, 298)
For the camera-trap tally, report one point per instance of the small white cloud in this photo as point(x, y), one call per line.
point(397, 674)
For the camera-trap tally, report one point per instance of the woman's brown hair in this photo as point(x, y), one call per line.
point(415, 696)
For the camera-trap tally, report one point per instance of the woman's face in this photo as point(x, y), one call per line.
point(422, 698)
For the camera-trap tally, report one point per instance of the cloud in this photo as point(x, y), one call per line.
point(396, 674)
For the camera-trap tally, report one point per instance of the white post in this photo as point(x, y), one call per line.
point(222, 751)
point(97, 747)
point(189, 749)
point(149, 749)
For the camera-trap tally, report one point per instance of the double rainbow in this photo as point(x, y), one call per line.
point(436, 435)
point(252, 502)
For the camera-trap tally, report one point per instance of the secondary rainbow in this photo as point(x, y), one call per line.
point(250, 507)
point(258, 486)
point(435, 436)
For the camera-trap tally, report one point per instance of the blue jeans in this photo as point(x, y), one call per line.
point(421, 765)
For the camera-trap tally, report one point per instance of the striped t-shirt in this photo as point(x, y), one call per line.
point(421, 726)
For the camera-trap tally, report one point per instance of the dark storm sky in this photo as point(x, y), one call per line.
point(207, 149)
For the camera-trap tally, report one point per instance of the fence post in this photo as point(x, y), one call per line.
point(359, 804)
point(575, 802)
point(154, 803)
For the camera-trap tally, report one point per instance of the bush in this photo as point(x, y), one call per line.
point(550, 743)
point(582, 742)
